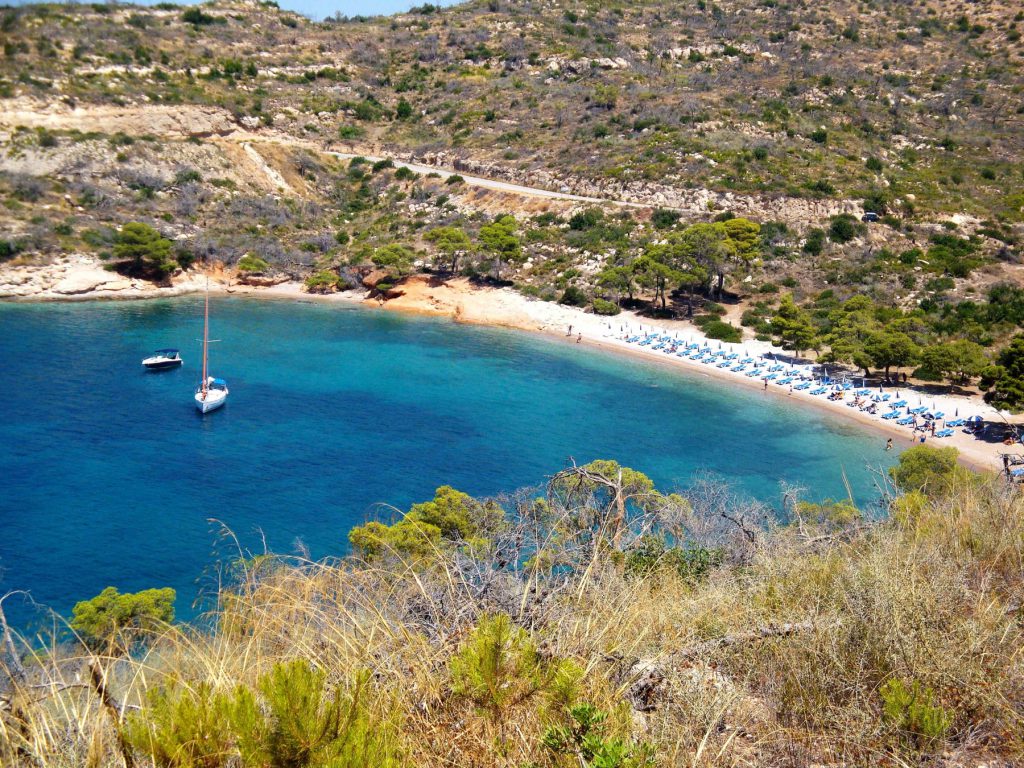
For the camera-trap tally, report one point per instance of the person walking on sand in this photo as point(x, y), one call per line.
point(766, 385)
point(569, 333)
point(888, 444)
point(579, 338)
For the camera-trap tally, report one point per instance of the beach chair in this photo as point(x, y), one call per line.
point(819, 391)
point(944, 433)
point(803, 385)
point(890, 415)
point(906, 420)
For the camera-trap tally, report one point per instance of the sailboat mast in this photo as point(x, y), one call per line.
point(206, 333)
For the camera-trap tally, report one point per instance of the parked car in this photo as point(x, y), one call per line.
point(870, 217)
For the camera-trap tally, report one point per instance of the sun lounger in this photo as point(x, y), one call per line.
point(890, 415)
point(803, 386)
point(944, 433)
point(819, 391)
point(905, 420)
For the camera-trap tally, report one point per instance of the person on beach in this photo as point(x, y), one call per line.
point(933, 429)
point(888, 444)
point(791, 389)
point(579, 338)
point(766, 385)
point(569, 333)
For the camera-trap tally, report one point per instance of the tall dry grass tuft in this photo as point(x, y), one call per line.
point(852, 644)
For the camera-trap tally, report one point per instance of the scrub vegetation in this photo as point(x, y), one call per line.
point(596, 621)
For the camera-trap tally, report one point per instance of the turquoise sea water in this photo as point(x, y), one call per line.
point(109, 476)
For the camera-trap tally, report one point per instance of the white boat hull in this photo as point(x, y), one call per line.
point(211, 400)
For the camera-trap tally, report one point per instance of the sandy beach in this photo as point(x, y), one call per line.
point(84, 279)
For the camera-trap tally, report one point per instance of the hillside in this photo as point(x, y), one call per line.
point(218, 126)
point(568, 627)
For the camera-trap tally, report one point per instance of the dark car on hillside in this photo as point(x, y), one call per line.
point(870, 217)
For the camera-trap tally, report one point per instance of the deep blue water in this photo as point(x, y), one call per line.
point(108, 475)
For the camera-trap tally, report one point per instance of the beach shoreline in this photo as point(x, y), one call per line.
point(461, 301)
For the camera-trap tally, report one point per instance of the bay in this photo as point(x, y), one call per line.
point(110, 477)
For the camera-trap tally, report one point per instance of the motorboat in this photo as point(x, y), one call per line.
point(162, 359)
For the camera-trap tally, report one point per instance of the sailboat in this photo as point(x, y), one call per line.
point(212, 392)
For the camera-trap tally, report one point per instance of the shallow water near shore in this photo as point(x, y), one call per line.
point(109, 476)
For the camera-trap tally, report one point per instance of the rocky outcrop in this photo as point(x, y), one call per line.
point(261, 280)
point(78, 276)
point(179, 121)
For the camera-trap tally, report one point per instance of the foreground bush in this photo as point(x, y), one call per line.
point(597, 622)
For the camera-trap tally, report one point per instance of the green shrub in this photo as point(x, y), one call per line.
point(604, 307)
point(717, 329)
point(497, 667)
point(293, 719)
point(9, 249)
point(843, 228)
point(662, 218)
point(349, 132)
point(324, 281)
point(583, 742)
point(404, 173)
point(693, 563)
point(199, 18)
point(574, 297)
point(914, 711)
point(185, 175)
point(815, 242)
point(250, 263)
point(454, 179)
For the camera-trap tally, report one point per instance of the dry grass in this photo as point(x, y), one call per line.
point(933, 601)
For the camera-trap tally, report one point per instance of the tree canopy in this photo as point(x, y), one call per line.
point(99, 620)
point(143, 251)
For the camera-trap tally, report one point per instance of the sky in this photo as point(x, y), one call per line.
point(317, 9)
